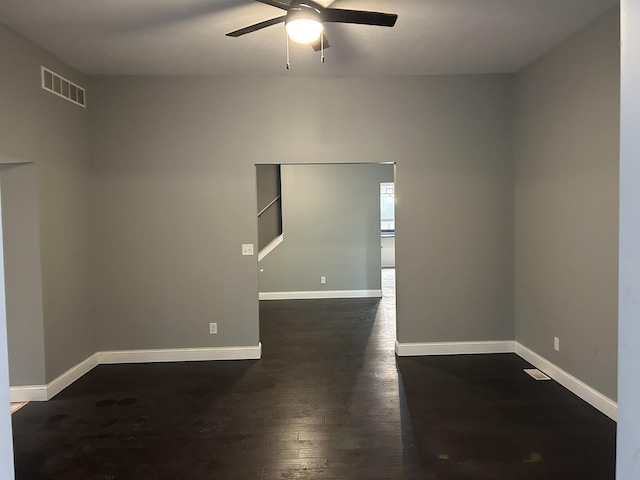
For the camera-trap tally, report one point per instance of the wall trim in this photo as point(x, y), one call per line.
point(180, 354)
point(568, 381)
point(320, 294)
point(271, 246)
point(28, 393)
point(453, 348)
point(42, 393)
point(593, 397)
point(74, 373)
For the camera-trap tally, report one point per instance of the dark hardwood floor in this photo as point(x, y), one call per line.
point(328, 400)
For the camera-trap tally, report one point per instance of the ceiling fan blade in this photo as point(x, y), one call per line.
point(174, 14)
point(362, 17)
point(257, 26)
point(276, 3)
point(317, 46)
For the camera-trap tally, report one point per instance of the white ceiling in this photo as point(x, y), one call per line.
point(187, 37)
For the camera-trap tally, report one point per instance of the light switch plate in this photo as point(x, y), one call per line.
point(247, 249)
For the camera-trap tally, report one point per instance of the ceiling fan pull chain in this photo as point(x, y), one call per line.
point(288, 63)
point(322, 47)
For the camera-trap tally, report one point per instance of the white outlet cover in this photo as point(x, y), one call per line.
point(213, 328)
point(247, 249)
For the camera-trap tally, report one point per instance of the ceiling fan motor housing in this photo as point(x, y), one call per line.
point(302, 11)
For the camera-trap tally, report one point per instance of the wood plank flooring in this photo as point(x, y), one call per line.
point(328, 400)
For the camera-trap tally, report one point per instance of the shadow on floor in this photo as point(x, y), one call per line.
point(481, 417)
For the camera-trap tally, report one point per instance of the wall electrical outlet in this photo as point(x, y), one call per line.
point(556, 344)
point(323, 279)
point(213, 328)
point(247, 249)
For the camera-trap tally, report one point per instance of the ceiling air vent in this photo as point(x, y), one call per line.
point(58, 85)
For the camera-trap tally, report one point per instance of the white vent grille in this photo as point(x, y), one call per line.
point(60, 86)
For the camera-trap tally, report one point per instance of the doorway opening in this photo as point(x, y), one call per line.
point(322, 226)
point(388, 239)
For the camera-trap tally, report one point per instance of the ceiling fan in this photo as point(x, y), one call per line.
point(304, 21)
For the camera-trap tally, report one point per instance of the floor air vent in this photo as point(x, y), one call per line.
point(537, 374)
point(58, 85)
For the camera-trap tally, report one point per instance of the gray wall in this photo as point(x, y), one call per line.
point(566, 198)
point(174, 192)
point(23, 285)
point(331, 226)
point(628, 442)
point(454, 209)
point(267, 184)
point(39, 127)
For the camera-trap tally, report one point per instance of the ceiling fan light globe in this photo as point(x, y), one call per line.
point(304, 30)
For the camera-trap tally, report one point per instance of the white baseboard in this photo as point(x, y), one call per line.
point(34, 393)
point(180, 354)
point(453, 348)
point(74, 373)
point(28, 393)
point(15, 406)
point(571, 383)
point(320, 294)
point(40, 393)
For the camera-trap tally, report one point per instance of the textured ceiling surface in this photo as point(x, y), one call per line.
point(187, 37)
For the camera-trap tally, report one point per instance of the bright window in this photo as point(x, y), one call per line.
point(387, 208)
